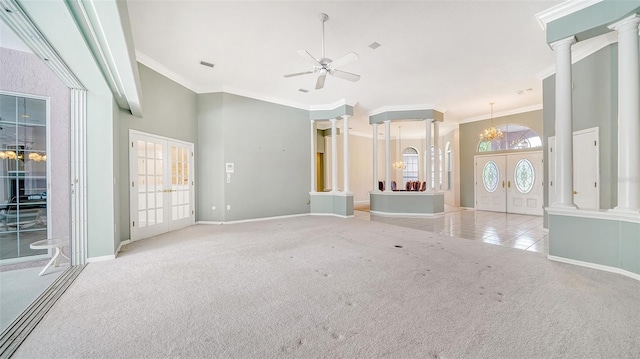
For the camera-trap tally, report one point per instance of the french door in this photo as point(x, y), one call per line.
point(162, 184)
point(510, 183)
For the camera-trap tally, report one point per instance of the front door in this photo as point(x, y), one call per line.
point(524, 183)
point(490, 183)
point(162, 185)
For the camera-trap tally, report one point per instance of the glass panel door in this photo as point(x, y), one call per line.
point(490, 183)
point(23, 175)
point(161, 185)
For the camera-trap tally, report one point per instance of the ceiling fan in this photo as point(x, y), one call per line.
point(324, 65)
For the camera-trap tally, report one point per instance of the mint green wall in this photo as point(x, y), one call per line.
point(595, 93)
point(210, 161)
point(269, 147)
point(170, 110)
point(469, 139)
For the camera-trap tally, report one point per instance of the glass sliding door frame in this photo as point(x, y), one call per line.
point(44, 194)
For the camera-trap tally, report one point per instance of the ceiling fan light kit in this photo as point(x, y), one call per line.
point(324, 65)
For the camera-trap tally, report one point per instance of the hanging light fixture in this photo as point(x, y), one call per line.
point(24, 108)
point(399, 165)
point(491, 133)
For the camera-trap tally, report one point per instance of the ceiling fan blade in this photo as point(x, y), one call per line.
point(348, 58)
point(299, 73)
point(345, 75)
point(320, 82)
point(305, 55)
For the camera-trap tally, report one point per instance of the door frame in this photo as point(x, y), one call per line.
point(133, 179)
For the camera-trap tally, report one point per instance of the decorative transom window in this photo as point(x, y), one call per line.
point(514, 137)
point(524, 176)
point(490, 176)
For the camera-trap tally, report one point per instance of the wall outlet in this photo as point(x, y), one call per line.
point(228, 207)
point(213, 208)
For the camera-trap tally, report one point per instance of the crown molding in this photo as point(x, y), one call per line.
point(330, 106)
point(161, 69)
point(562, 10)
point(590, 47)
point(514, 111)
point(406, 108)
point(261, 97)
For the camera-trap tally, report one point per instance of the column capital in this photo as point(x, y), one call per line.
point(564, 42)
point(345, 116)
point(333, 120)
point(628, 23)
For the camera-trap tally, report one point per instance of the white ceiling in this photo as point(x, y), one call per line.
point(457, 56)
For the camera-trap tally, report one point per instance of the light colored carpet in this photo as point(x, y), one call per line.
point(320, 287)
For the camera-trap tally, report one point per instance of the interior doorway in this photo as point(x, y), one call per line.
point(162, 184)
point(509, 183)
point(586, 169)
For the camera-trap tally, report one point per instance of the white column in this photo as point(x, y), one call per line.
point(314, 150)
point(387, 155)
point(345, 152)
point(375, 158)
point(436, 158)
point(427, 158)
point(628, 115)
point(334, 155)
point(564, 124)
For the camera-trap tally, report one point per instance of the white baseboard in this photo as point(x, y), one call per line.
point(595, 266)
point(390, 214)
point(123, 243)
point(101, 258)
point(331, 215)
point(255, 219)
point(361, 202)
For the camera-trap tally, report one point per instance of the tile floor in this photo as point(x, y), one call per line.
point(511, 230)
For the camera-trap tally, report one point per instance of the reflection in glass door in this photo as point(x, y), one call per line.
point(23, 176)
point(161, 185)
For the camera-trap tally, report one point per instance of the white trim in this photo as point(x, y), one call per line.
point(208, 222)
point(254, 219)
point(161, 69)
point(561, 10)
point(332, 194)
point(394, 214)
point(329, 106)
point(260, 97)
point(609, 215)
point(416, 107)
point(123, 243)
point(590, 47)
point(514, 111)
point(101, 258)
point(595, 266)
point(140, 133)
point(331, 215)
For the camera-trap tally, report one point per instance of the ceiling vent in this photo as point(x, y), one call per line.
point(207, 64)
point(374, 45)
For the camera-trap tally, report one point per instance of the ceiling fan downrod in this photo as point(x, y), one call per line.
point(323, 19)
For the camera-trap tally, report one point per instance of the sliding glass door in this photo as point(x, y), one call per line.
point(23, 175)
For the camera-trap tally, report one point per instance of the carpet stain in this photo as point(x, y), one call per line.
point(398, 246)
point(433, 355)
point(337, 336)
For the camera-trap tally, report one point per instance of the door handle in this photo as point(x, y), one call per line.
point(509, 184)
point(502, 184)
point(575, 192)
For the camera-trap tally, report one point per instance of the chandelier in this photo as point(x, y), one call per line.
point(399, 165)
point(491, 133)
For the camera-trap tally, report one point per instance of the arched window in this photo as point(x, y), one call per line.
point(514, 137)
point(410, 158)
